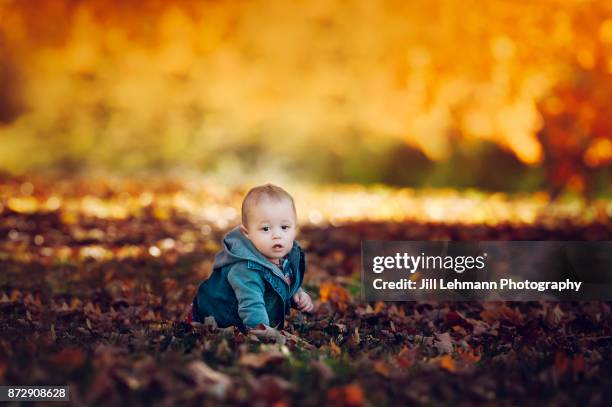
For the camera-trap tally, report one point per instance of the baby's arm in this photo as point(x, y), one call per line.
point(249, 289)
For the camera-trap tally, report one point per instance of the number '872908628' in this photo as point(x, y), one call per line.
point(15, 393)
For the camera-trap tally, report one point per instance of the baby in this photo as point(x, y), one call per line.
point(258, 275)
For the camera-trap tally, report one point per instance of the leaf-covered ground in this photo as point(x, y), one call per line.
point(98, 303)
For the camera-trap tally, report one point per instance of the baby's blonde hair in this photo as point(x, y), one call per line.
point(256, 194)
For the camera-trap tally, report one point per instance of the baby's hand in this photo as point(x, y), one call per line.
point(302, 301)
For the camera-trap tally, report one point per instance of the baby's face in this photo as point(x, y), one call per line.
point(271, 227)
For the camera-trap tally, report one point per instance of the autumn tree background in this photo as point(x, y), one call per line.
point(385, 92)
point(129, 132)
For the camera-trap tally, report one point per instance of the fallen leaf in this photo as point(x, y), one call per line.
point(496, 312)
point(266, 333)
point(328, 291)
point(261, 359)
point(334, 349)
point(578, 363)
point(469, 355)
point(325, 373)
point(561, 363)
point(215, 382)
point(69, 359)
point(406, 357)
point(382, 368)
point(446, 362)
point(444, 343)
point(350, 395)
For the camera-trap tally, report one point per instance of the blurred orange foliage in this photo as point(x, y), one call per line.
point(329, 291)
point(95, 80)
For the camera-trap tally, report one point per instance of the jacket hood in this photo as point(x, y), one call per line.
point(236, 247)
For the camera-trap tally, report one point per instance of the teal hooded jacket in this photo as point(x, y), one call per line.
point(246, 289)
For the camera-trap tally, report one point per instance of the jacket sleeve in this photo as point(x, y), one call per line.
point(249, 288)
point(301, 272)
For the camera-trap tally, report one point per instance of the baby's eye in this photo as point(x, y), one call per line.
point(266, 228)
point(285, 227)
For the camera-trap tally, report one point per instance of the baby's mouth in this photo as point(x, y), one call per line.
point(277, 246)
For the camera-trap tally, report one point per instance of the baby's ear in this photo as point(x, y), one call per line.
point(244, 230)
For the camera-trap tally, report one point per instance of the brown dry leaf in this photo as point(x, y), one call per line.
point(455, 318)
point(578, 363)
point(130, 380)
point(148, 315)
point(276, 383)
point(3, 368)
point(460, 330)
point(271, 390)
point(294, 340)
point(323, 370)
point(103, 384)
point(406, 357)
point(90, 309)
point(169, 284)
point(554, 315)
point(63, 307)
point(481, 327)
point(561, 363)
point(495, 312)
point(261, 359)
point(69, 359)
point(216, 382)
point(266, 333)
point(444, 343)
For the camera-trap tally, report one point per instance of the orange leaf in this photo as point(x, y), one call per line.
point(75, 303)
point(469, 356)
point(334, 349)
point(350, 395)
point(382, 368)
point(15, 295)
point(446, 362)
point(332, 292)
point(335, 294)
